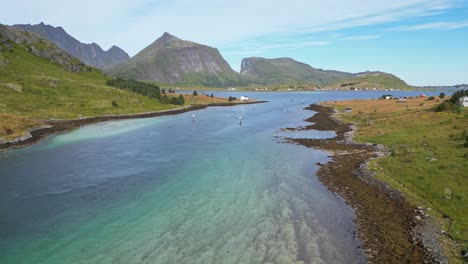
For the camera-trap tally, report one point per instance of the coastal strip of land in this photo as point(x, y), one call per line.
point(48, 127)
point(427, 161)
point(386, 221)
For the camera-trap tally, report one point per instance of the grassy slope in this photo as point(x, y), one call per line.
point(427, 159)
point(48, 91)
point(380, 81)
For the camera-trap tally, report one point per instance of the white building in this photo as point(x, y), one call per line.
point(244, 98)
point(464, 101)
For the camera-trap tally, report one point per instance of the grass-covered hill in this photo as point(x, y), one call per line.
point(287, 70)
point(371, 80)
point(40, 81)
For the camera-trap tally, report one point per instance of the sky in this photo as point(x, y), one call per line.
point(424, 42)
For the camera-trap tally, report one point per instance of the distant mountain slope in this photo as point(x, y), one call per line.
point(172, 60)
point(371, 80)
point(287, 70)
point(90, 54)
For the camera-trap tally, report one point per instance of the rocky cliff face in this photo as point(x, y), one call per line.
point(172, 60)
point(91, 54)
point(10, 36)
point(287, 70)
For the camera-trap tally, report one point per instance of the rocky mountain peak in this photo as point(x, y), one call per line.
point(167, 38)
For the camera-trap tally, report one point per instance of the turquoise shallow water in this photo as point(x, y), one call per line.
point(167, 190)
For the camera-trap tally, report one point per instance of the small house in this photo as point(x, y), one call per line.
point(402, 100)
point(244, 98)
point(464, 101)
point(422, 95)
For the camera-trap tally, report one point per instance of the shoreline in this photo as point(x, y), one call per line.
point(385, 221)
point(56, 126)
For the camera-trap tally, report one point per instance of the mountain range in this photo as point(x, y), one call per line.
point(170, 59)
point(90, 54)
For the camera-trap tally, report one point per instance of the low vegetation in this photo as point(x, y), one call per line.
point(428, 159)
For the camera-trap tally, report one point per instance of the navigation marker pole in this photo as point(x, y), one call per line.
point(240, 120)
point(193, 118)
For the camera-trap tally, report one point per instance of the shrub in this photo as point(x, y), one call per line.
point(442, 95)
point(195, 93)
point(431, 98)
point(457, 95)
point(115, 104)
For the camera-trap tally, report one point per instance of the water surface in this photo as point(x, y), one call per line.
point(170, 190)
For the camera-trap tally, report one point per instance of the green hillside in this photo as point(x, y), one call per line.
point(371, 80)
point(33, 87)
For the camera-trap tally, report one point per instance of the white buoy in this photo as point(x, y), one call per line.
point(193, 118)
point(240, 120)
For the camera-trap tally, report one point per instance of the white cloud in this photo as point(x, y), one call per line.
point(433, 26)
point(363, 37)
point(133, 24)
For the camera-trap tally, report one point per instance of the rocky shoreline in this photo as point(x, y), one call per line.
point(55, 126)
point(389, 227)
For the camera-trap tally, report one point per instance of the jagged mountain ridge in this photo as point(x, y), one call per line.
point(11, 36)
point(90, 54)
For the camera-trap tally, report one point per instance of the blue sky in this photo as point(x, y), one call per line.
point(423, 42)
